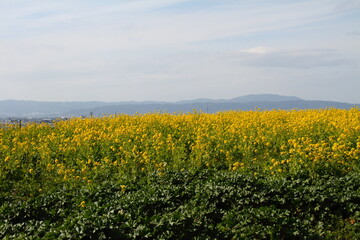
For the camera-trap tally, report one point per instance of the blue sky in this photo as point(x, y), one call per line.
point(171, 50)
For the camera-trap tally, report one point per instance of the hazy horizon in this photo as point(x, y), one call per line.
point(172, 50)
point(175, 101)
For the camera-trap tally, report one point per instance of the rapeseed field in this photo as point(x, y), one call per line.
point(36, 160)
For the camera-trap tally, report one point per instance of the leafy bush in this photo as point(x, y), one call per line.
point(206, 204)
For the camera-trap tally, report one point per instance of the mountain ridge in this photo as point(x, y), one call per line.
point(25, 108)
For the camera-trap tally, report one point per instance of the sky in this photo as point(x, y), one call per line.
point(170, 50)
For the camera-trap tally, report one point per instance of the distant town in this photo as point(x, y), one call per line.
point(23, 121)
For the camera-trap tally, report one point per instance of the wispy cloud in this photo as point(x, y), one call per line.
point(137, 17)
point(354, 33)
point(347, 5)
point(133, 43)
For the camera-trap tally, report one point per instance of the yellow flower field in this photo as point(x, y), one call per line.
point(270, 142)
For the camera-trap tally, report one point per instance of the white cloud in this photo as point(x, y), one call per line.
point(293, 58)
point(259, 50)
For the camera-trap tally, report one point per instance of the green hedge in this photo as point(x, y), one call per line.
point(207, 204)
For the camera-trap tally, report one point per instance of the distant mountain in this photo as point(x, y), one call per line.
point(246, 99)
point(264, 98)
point(14, 108)
point(212, 107)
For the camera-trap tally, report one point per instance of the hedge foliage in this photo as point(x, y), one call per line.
point(207, 204)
